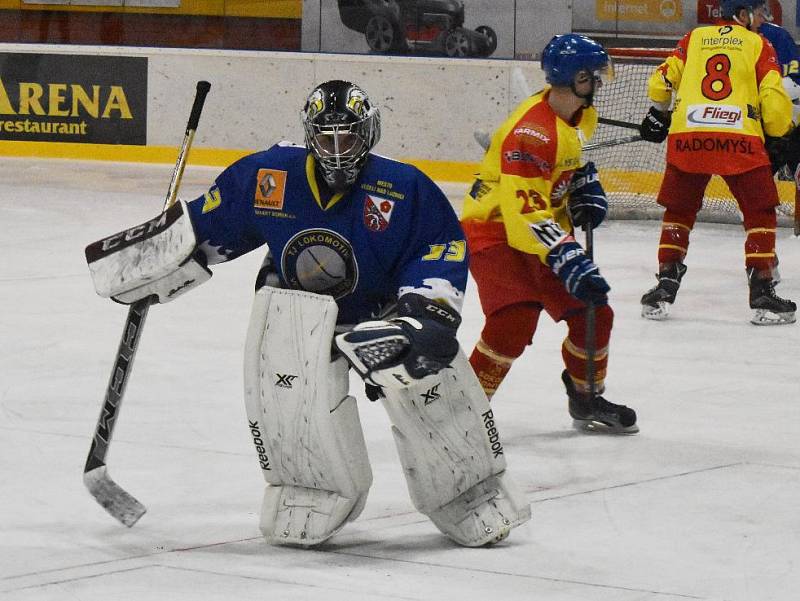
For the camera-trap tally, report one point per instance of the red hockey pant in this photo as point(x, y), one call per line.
point(513, 288)
point(681, 195)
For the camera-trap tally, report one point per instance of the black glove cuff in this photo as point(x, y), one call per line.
point(416, 305)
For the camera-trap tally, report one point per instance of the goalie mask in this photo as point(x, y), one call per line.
point(341, 127)
point(569, 59)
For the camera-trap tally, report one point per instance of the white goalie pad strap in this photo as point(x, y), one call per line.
point(189, 275)
point(452, 455)
point(485, 514)
point(142, 254)
point(305, 427)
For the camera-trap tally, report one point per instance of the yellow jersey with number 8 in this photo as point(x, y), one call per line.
point(728, 95)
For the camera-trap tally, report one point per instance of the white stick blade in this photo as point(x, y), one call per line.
point(112, 497)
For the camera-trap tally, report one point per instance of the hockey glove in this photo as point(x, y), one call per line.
point(784, 150)
point(587, 200)
point(655, 125)
point(420, 341)
point(580, 276)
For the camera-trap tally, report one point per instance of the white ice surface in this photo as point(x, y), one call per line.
point(703, 504)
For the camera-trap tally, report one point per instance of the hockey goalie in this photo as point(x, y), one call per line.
point(366, 269)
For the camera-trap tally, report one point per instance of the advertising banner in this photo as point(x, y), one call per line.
point(661, 11)
point(709, 12)
point(73, 98)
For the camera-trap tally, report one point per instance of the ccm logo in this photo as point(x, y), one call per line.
point(441, 312)
point(146, 229)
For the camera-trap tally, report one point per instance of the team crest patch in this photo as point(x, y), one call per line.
point(270, 189)
point(377, 212)
point(320, 261)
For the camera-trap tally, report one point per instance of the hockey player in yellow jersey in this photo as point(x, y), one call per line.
point(728, 96)
point(530, 192)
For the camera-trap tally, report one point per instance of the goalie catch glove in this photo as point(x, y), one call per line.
point(580, 276)
point(419, 342)
point(587, 200)
point(156, 259)
point(655, 125)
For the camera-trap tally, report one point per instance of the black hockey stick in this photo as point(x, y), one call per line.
point(590, 349)
point(614, 142)
point(625, 124)
point(797, 200)
point(114, 499)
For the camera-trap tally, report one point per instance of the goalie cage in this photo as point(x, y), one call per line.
point(631, 172)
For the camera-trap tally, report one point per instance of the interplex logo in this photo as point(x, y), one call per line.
point(714, 115)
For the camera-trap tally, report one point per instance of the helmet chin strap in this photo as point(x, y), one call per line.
point(750, 19)
point(588, 99)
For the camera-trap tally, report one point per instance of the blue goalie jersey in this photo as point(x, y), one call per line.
point(391, 233)
point(785, 48)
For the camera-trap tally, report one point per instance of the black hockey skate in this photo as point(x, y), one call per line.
point(656, 301)
point(598, 414)
point(770, 309)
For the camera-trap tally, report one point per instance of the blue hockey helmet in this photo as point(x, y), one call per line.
point(730, 7)
point(567, 55)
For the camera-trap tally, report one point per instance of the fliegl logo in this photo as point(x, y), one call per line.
point(714, 115)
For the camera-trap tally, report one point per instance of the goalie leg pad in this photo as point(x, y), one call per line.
point(485, 514)
point(305, 427)
point(452, 456)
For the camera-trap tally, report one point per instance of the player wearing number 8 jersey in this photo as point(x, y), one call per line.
point(728, 97)
point(518, 217)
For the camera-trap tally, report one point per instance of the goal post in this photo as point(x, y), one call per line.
point(631, 171)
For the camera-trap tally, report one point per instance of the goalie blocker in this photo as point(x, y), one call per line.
point(308, 435)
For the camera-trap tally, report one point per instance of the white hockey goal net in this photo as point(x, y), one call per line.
point(631, 172)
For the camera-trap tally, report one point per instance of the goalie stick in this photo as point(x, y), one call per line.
point(111, 496)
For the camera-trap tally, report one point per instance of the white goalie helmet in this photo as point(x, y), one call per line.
point(341, 127)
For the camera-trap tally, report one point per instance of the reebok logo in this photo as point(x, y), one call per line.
point(492, 433)
point(258, 441)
